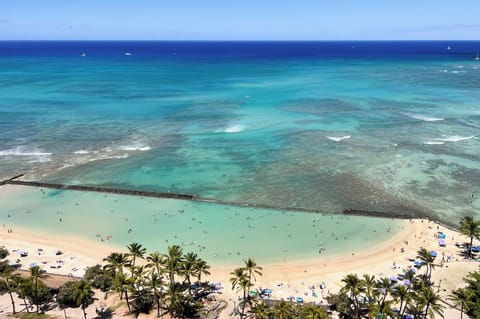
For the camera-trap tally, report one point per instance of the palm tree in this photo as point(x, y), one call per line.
point(23, 285)
point(136, 251)
point(174, 296)
point(188, 268)
point(382, 310)
point(431, 301)
point(310, 311)
point(353, 285)
point(461, 297)
point(470, 228)
point(116, 262)
point(83, 295)
point(201, 268)
point(383, 288)
point(401, 295)
point(11, 282)
point(156, 261)
point(426, 257)
point(122, 284)
point(369, 284)
point(283, 310)
point(174, 259)
point(241, 283)
point(156, 285)
point(139, 277)
point(260, 311)
point(35, 275)
point(252, 268)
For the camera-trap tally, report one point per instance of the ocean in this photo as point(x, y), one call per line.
point(375, 126)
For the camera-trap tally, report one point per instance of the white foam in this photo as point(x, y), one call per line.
point(445, 138)
point(81, 152)
point(105, 157)
point(338, 138)
point(232, 129)
point(23, 151)
point(135, 147)
point(454, 138)
point(423, 117)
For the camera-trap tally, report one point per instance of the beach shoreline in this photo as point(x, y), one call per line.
point(80, 253)
point(312, 279)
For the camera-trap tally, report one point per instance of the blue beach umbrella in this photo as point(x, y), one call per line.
point(433, 253)
point(407, 282)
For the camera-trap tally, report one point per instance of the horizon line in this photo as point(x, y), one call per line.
point(243, 40)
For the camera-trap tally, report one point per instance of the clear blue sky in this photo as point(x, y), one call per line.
point(239, 20)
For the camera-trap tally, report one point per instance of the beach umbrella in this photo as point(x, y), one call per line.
point(417, 263)
point(441, 242)
point(442, 235)
point(33, 264)
point(268, 291)
point(407, 282)
point(433, 253)
point(476, 249)
point(393, 278)
point(299, 299)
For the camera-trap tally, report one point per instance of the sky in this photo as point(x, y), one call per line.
point(239, 20)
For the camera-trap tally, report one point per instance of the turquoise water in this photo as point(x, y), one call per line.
point(221, 234)
point(327, 126)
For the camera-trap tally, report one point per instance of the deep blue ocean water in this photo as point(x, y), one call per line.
point(384, 126)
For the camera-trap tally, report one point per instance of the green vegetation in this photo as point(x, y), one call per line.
point(368, 297)
point(469, 297)
point(470, 228)
point(165, 283)
point(171, 284)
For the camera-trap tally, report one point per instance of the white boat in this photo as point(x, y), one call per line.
point(128, 54)
point(449, 48)
point(477, 57)
point(83, 54)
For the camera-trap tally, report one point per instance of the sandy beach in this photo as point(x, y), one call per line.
point(296, 278)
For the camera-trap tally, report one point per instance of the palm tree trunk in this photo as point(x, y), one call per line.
point(470, 247)
point(356, 306)
point(244, 303)
point(84, 313)
point(36, 291)
point(461, 311)
point(65, 313)
point(189, 285)
point(158, 307)
point(26, 305)
point(128, 303)
point(400, 307)
point(426, 310)
point(13, 302)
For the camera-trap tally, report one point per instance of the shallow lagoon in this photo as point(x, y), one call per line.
point(221, 234)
